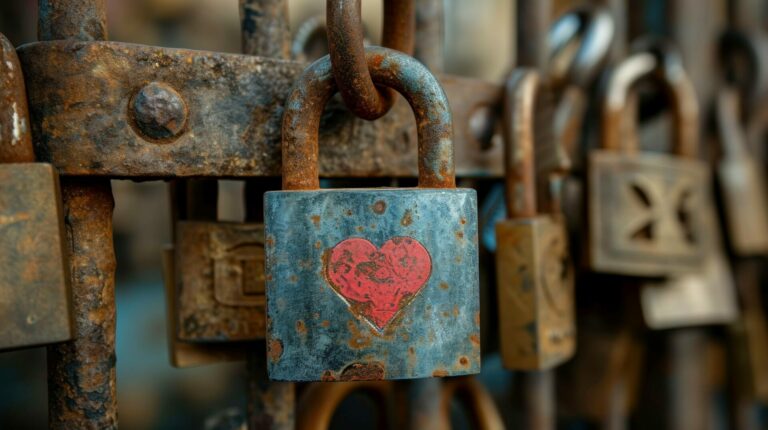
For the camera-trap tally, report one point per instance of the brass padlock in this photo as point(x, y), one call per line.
point(534, 273)
point(220, 273)
point(189, 354)
point(742, 181)
point(645, 208)
point(34, 272)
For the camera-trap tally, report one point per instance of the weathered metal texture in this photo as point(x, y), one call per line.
point(347, 52)
point(81, 373)
point(220, 267)
point(34, 280)
point(189, 354)
point(540, 405)
point(264, 25)
point(646, 210)
point(742, 181)
point(388, 68)
point(15, 138)
point(72, 19)
point(321, 328)
point(78, 94)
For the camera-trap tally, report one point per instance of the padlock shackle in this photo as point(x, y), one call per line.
point(319, 401)
point(518, 127)
point(389, 68)
point(732, 136)
point(15, 134)
point(676, 84)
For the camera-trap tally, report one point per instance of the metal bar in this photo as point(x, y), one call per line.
point(532, 26)
point(81, 373)
point(689, 394)
point(430, 34)
point(265, 32)
point(539, 391)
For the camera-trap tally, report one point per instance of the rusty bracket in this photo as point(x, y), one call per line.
point(133, 111)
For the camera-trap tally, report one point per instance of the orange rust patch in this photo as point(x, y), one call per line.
point(475, 339)
point(455, 310)
point(301, 328)
point(328, 376)
point(325, 324)
point(318, 244)
point(379, 207)
point(460, 235)
point(363, 372)
point(359, 340)
point(463, 220)
point(407, 218)
point(440, 373)
point(477, 319)
point(270, 241)
point(275, 350)
point(316, 220)
point(446, 314)
point(294, 279)
point(444, 286)
point(360, 228)
point(464, 361)
point(405, 337)
point(348, 212)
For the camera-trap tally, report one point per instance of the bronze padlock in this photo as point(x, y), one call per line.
point(220, 274)
point(534, 272)
point(645, 209)
point(34, 271)
point(742, 181)
point(189, 354)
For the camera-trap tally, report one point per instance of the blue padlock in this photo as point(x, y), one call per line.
point(378, 283)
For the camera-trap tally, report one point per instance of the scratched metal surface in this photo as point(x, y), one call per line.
point(313, 334)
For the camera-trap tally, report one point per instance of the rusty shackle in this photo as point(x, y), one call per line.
point(347, 51)
point(663, 65)
point(392, 69)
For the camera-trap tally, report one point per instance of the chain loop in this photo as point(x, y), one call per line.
point(345, 44)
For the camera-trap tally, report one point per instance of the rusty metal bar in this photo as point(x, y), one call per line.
point(81, 373)
point(539, 392)
point(690, 393)
point(265, 32)
point(430, 34)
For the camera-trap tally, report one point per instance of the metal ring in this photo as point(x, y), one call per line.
point(347, 51)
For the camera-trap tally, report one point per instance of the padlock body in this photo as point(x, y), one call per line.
point(34, 271)
point(372, 284)
point(535, 293)
point(220, 269)
point(646, 213)
point(746, 209)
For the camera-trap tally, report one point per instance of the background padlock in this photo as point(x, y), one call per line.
point(644, 208)
point(34, 272)
point(534, 274)
point(371, 283)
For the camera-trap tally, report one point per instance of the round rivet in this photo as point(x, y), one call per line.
point(159, 112)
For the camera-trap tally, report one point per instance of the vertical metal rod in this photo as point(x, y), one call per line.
point(81, 373)
point(689, 392)
point(539, 391)
point(533, 18)
point(265, 32)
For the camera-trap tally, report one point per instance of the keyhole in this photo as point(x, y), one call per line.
point(644, 233)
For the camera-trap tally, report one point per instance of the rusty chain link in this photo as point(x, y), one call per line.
point(345, 44)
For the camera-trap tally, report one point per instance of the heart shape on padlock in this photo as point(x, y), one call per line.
point(378, 282)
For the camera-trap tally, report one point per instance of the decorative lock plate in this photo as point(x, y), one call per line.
point(646, 213)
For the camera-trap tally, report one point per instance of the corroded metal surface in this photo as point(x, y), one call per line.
point(320, 332)
point(15, 137)
point(79, 91)
point(430, 34)
point(220, 268)
point(264, 25)
point(72, 19)
point(350, 66)
point(81, 373)
point(388, 68)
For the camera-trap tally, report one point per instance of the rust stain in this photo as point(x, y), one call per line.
point(463, 220)
point(301, 328)
point(455, 310)
point(275, 350)
point(363, 372)
point(475, 339)
point(328, 376)
point(407, 218)
point(460, 235)
point(440, 373)
point(360, 228)
point(318, 244)
point(444, 286)
point(358, 339)
point(316, 220)
point(379, 207)
point(325, 324)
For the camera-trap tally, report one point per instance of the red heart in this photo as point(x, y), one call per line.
point(378, 279)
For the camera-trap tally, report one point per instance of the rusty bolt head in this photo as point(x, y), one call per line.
point(159, 112)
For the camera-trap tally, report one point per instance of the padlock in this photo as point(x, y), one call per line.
point(220, 269)
point(189, 354)
point(534, 272)
point(742, 181)
point(371, 283)
point(34, 271)
point(645, 208)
